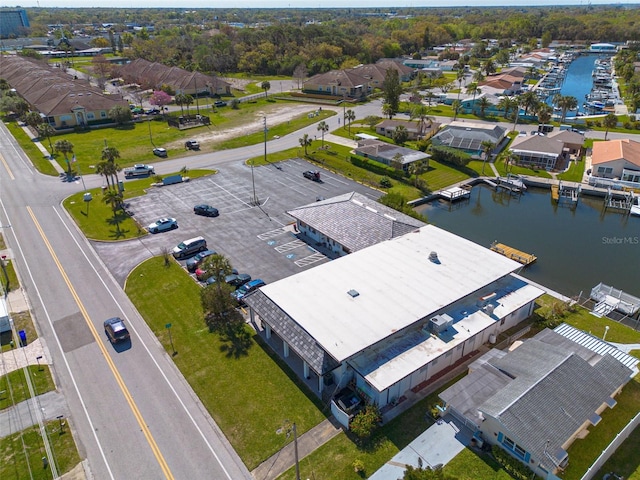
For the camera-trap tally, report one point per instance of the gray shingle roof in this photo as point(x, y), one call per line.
point(355, 221)
point(538, 144)
point(298, 339)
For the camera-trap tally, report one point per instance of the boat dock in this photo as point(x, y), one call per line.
point(619, 200)
point(513, 183)
point(610, 298)
point(563, 192)
point(454, 193)
point(513, 254)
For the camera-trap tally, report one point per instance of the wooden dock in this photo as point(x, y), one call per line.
point(555, 193)
point(513, 254)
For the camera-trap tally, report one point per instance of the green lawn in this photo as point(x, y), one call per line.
point(42, 164)
point(14, 448)
point(248, 392)
point(96, 218)
point(575, 172)
point(15, 387)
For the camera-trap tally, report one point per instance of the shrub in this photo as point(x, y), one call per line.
point(365, 422)
point(512, 466)
point(628, 125)
point(398, 202)
point(377, 168)
point(385, 182)
point(450, 156)
point(589, 123)
point(636, 125)
point(632, 118)
point(358, 466)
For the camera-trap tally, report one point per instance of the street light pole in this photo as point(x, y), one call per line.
point(295, 450)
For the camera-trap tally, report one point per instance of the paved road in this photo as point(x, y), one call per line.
point(133, 411)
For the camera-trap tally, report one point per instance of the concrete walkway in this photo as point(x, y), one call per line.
point(23, 415)
point(307, 443)
point(45, 153)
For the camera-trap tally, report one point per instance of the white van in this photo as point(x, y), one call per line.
point(190, 247)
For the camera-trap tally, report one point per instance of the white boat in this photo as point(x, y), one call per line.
point(635, 206)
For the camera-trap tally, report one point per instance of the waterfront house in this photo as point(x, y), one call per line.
point(387, 319)
point(468, 136)
point(390, 154)
point(536, 398)
point(617, 159)
point(547, 152)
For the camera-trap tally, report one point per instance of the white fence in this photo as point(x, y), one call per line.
point(615, 443)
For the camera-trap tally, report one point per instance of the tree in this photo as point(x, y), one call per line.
point(33, 119)
point(305, 141)
point(387, 110)
point(608, 122)
point(110, 155)
point(46, 130)
point(160, 99)
point(507, 104)
point(544, 113)
point(483, 103)
point(105, 169)
point(487, 147)
point(101, 68)
point(473, 89)
point(300, 73)
point(510, 159)
point(456, 106)
point(391, 90)
point(426, 473)
point(65, 147)
point(400, 135)
point(113, 198)
point(120, 114)
point(265, 86)
point(181, 99)
point(416, 169)
point(217, 303)
point(567, 103)
point(323, 128)
point(529, 101)
point(365, 422)
point(349, 116)
point(460, 79)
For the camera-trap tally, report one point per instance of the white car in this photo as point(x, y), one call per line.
point(163, 225)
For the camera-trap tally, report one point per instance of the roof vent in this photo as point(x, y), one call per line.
point(353, 293)
point(433, 257)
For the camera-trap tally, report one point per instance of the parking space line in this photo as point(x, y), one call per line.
point(231, 194)
point(316, 257)
point(271, 233)
point(290, 246)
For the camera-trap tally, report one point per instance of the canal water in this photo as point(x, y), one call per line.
point(576, 248)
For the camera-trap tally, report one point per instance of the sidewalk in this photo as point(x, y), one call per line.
point(45, 152)
point(21, 416)
point(307, 443)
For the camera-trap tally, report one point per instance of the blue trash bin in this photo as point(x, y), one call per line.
point(23, 338)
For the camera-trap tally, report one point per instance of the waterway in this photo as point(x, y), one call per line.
point(576, 248)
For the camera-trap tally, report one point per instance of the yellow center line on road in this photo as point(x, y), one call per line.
point(6, 166)
point(127, 395)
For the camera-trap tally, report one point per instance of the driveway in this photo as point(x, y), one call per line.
point(437, 445)
point(257, 239)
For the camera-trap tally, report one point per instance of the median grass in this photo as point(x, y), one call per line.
point(248, 391)
point(21, 453)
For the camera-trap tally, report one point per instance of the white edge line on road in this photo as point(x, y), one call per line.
point(184, 407)
point(64, 358)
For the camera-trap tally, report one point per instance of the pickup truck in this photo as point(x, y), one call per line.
point(139, 170)
point(312, 175)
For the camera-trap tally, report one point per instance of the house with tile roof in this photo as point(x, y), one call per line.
point(372, 222)
point(535, 399)
point(507, 82)
point(468, 136)
point(618, 159)
point(389, 318)
point(65, 101)
point(153, 75)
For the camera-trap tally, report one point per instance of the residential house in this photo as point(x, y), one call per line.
point(618, 159)
point(153, 75)
point(416, 130)
point(387, 319)
point(468, 136)
point(536, 398)
point(339, 84)
point(324, 222)
point(507, 82)
point(389, 154)
point(537, 151)
point(64, 101)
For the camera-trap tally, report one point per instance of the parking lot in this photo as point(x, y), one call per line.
point(257, 239)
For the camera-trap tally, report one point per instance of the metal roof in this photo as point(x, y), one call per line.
point(396, 284)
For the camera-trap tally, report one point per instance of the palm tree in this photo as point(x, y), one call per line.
point(483, 103)
point(323, 127)
point(544, 113)
point(305, 141)
point(567, 103)
point(487, 147)
point(456, 106)
point(181, 99)
point(529, 101)
point(110, 155)
point(33, 119)
point(510, 159)
point(507, 104)
point(477, 76)
point(416, 169)
point(489, 67)
point(473, 89)
point(387, 110)
point(460, 79)
point(114, 199)
point(265, 86)
point(610, 121)
point(349, 116)
point(65, 147)
point(46, 130)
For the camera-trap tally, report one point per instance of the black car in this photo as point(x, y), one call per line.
point(220, 103)
point(116, 330)
point(237, 279)
point(206, 210)
point(312, 175)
